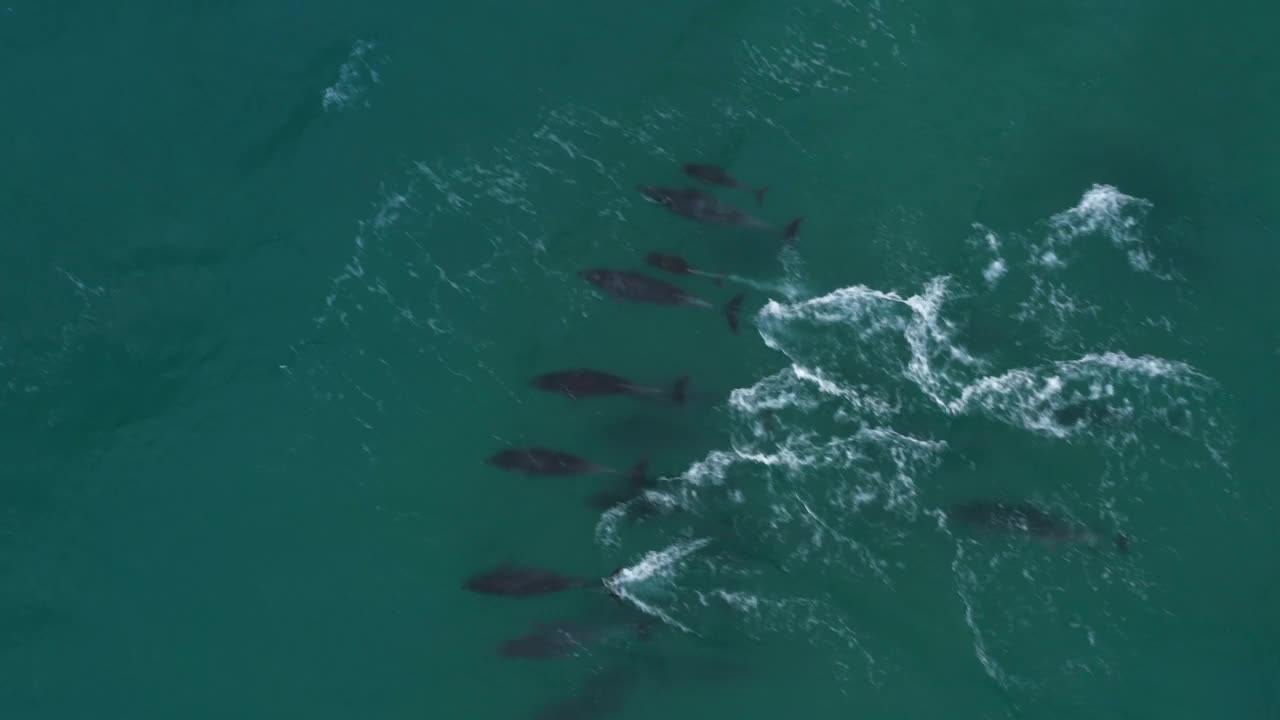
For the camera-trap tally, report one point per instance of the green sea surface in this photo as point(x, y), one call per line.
point(275, 277)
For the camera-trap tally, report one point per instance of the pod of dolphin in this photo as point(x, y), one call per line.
point(558, 639)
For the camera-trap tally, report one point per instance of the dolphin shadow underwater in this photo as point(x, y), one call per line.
point(1029, 520)
point(544, 461)
point(568, 637)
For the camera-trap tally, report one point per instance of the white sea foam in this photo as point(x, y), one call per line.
point(355, 77)
point(987, 242)
point(1103, 211)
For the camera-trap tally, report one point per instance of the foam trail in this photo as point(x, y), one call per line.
point(650, 565)
point(966, 578)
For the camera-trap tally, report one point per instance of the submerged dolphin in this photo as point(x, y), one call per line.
point(582, 383)
point(541, 461)
point(600, 696)
point(696, 205)
point(635, 287)
point(519, 581)
point(1026, 518)
point(564, 638)
point(716, 175)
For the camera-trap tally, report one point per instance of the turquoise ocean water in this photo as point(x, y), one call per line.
point(274, 278)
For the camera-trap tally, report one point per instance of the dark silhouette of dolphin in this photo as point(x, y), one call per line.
point(541, 461)
point(694, 204)
point(553, 640)
point(1020, 517)
point(716, 175)
point(636, 287)
point(582, 383)
point(600, 696)
point(677, 265)
point(520, 581)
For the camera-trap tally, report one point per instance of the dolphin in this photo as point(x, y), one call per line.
point(716, 175)
point(520, 581)
point(636, 287)
point(541, 461)
point(1019, 517)
point(696, 205)
point(600, 695)
point(559, 639)
point(582, 383)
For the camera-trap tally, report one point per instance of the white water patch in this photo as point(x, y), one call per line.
point(817, 455)
point(1105, 212)
point(1110, 397)
point(355, 77)
point(1096, 395)
point(1060, 278)
point(987, 241)
point(878, 334)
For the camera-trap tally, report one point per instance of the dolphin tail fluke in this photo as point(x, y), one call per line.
point(608, 582)
point(792, 229)
point(638, 477)
point(637, 481)
point(678, 390)
point(760, 195)
point(731, 311)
